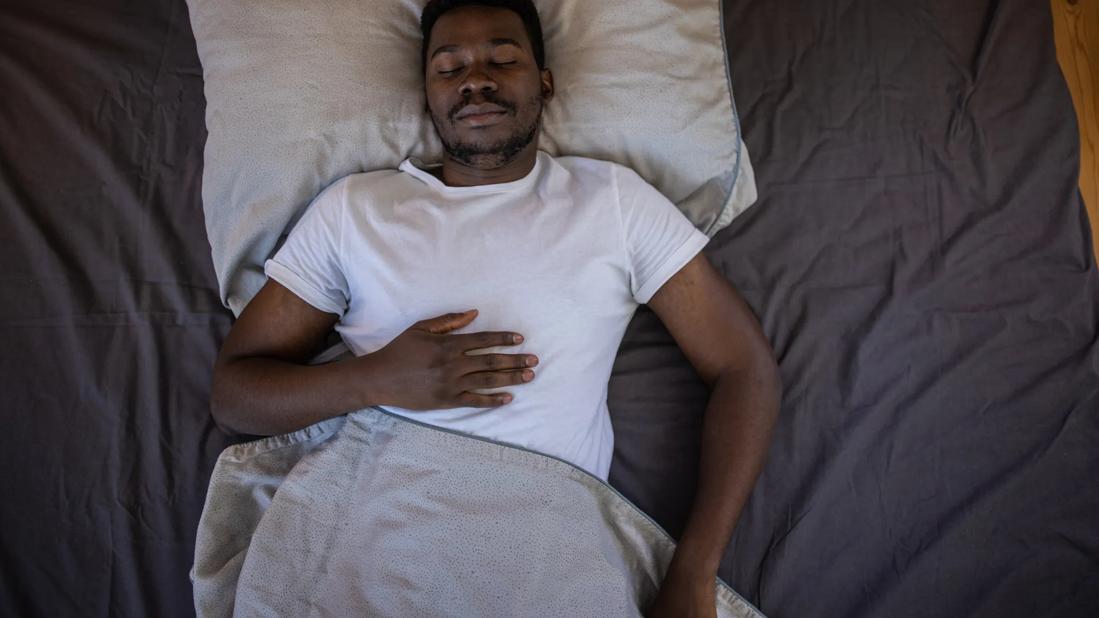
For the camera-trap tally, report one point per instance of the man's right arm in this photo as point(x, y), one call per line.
point(262, 385)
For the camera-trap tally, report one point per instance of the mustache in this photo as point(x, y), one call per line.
point(487, 98)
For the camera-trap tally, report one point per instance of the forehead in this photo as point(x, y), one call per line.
point(472, 26)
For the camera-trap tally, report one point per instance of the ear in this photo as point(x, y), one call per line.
point(547, 85)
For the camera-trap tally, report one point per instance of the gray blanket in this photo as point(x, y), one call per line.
point(376, 514)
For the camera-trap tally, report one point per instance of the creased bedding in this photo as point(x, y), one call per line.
point(920, 259)
point(375, 514)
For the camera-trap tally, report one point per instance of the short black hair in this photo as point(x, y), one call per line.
point(524, 8)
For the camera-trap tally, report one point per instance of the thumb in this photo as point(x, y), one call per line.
point(446, 322)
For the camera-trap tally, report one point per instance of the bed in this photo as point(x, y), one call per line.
point(919, 258)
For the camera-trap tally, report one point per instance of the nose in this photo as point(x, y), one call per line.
point(477, 81)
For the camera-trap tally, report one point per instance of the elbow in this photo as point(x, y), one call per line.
point(222, 407)
point(761, 373)
point(776, 385)
point(221, 419)
point(766, 365)
point(774, 374)
point(217, 413)
point(765, 373)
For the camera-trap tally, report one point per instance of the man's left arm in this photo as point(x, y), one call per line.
point(722, 339)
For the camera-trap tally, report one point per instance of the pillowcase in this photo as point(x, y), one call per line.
point(300, 93)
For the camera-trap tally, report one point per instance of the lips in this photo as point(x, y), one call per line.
point(483, 109)
point(481, 115)
point(478, 121)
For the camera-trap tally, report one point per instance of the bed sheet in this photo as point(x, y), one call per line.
point(919, 259)
point(921, 262)
point(109, 314)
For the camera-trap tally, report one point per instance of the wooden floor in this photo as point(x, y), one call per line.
point(1076, 27)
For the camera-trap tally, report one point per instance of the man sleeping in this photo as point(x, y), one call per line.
point(489, 294)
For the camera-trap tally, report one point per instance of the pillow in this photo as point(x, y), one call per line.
point(300, 93)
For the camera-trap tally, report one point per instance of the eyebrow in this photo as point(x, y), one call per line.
point(493, 42)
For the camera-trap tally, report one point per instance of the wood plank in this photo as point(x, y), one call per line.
point(1076, 29)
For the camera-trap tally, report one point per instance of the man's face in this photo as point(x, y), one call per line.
point(484, 89)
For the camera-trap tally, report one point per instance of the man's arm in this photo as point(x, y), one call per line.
point(262, 385)
point(721, 337)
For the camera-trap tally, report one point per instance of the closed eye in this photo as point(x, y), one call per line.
point(499, 64)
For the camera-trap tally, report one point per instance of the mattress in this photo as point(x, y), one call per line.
point(919, 258)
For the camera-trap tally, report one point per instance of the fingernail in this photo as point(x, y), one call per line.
point(517, 339)
point(528, 376)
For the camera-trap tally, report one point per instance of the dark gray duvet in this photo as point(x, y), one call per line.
point(919, 258)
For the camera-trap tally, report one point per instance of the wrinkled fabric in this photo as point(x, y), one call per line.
point(920, 260)
point(373, 514)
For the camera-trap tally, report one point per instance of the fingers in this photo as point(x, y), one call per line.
point(475, 400)
point(486, 339)
point(498, 362)
point(447, 322)
point(495, 379)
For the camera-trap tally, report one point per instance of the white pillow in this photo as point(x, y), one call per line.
point(300, 93)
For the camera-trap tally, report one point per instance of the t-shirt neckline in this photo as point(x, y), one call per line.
point(416, 167)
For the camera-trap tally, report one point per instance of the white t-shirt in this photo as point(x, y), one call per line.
point(563, 255)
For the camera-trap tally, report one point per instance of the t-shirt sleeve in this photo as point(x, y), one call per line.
point(659, 238)
point(308, 263)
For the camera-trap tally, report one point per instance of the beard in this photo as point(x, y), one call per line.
point(494, 154)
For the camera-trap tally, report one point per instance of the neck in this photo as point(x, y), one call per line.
point(455, 173)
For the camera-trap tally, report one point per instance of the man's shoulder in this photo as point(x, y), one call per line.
point(602, 172)
point(587, 166)
point(592, 177)
point(373, 181)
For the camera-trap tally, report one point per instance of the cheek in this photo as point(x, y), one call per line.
point(532, 106)
point(436, 103)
